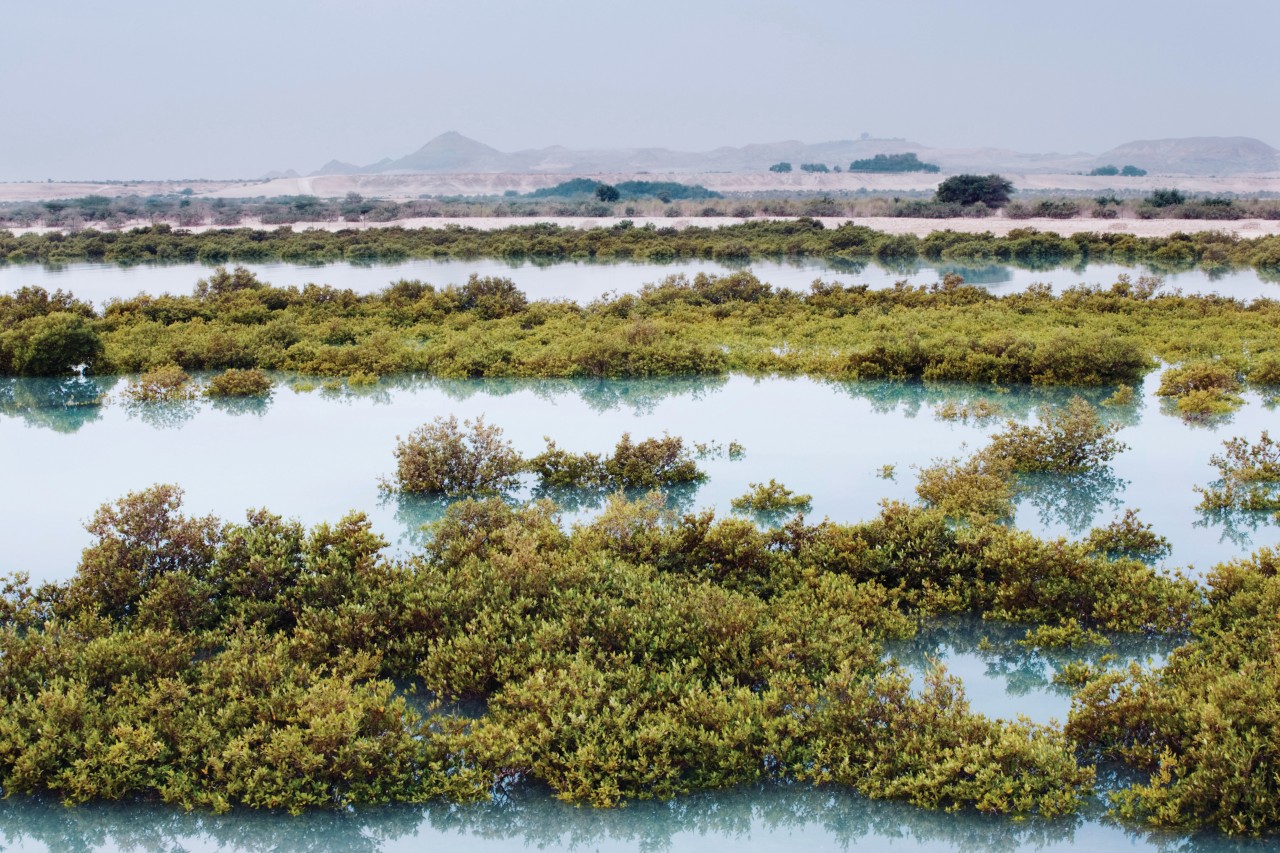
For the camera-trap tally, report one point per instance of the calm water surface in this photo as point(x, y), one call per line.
point(316, 455)
point(584, 281)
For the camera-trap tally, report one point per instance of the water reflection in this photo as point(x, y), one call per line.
point(584, 280)
point(776, 817)
point(990, 655)
point(1071, 501)
point(62, 405)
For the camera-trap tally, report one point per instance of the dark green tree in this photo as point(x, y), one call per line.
point(991, 190)
point(607, 193)
point(49, 345)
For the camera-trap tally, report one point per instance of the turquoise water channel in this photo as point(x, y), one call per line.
point(68, 446)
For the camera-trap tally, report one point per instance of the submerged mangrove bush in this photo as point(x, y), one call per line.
point(239, 383)
point(1248, 477)
point(444, 458)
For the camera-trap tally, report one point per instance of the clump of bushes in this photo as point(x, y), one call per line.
point(239, 383)
point(1128, 537)
point(446, 458)
point(980, 488)
point(1205, 726)
point(167, 384)
point(771, 497)
point(1202, 388)
point(1066, 441)
point(648, 464)
point(638, 655)
point(1248, 477)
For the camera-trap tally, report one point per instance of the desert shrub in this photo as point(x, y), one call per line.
point(167, 384)
point(446, 458)
point(239, 383)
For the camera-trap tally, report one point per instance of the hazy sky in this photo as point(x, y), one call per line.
point(233, 88)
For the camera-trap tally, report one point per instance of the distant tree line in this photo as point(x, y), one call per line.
point(907, 162)
point(1125, 172)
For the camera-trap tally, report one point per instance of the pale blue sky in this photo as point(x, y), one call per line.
point(233, 88)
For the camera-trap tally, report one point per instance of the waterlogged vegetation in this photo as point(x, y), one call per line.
point(760, 239)
point(640, 652)
point(635, 656)
point(707, 325)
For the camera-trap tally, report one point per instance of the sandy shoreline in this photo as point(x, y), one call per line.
point(889, 225)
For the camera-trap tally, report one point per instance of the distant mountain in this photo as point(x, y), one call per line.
point(276, 174)
point(453, 153)
point(1197, 155)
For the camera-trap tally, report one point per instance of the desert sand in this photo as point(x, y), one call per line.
point(401, 187)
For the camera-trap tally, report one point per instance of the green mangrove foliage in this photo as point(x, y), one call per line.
point(763, 238)
point(771, 497)
point(649, 464)
point(908, 162)
point(705, 325)
point(443, 458)
point(1067, 440)
point(1202, 387)
point(166, 384)
point(1248, 477)
point(1071, 440)
point(239, 383)
point(217, 664)
point(1206, 725)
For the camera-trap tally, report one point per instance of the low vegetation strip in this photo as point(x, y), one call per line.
point(707, 325)
point(804, 237)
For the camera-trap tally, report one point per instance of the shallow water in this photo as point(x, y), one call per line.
point(315, 455)
point(765, 818)
point(583, 281)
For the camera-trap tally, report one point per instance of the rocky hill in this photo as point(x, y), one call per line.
point(453, 153)
point(1199, 155)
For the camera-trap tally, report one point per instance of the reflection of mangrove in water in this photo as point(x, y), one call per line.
point(832, 818)
point(63, 404)
point(67, 404)
point(1073, 501)
point(1020, 402)
point(1023, 670)
point(1236, 526)
point(531, 819)
point(639, 396)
